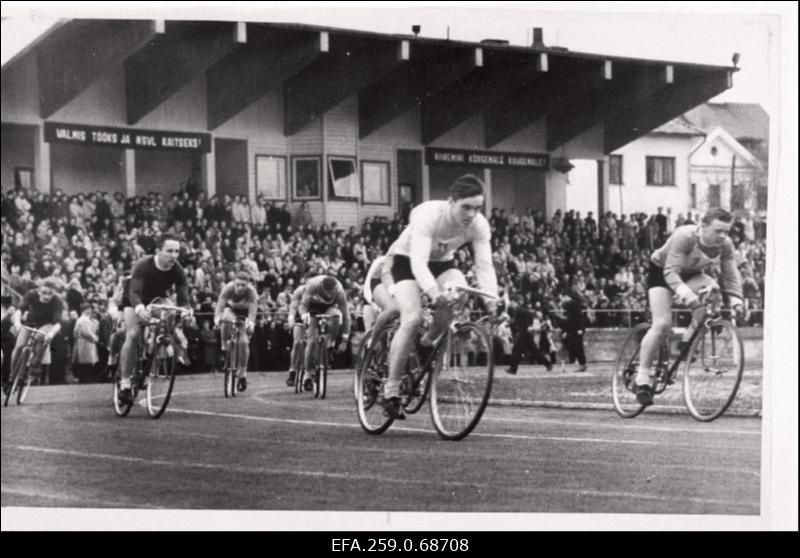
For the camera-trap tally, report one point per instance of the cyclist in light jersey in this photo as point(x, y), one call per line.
point(422, 262)
point(677, 268)
point(324, 295)
point(381, 306)
point(238, 299)
point(294, 321)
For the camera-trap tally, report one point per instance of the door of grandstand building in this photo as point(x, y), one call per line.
point(19, 157)
point(230, 160)
point(409, 181)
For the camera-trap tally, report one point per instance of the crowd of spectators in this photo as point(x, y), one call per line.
point(91, 240)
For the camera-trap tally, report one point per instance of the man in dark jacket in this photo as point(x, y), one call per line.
point(524, 342)
point(573, 327)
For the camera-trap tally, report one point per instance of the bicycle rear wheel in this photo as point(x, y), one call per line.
point(161, 378)
point(710, 382)
point(17, 371)
point(372, 375)
point(461, 381)
point(622, 382)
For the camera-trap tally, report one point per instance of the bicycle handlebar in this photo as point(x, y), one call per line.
point(169, 307)
point(471, 290)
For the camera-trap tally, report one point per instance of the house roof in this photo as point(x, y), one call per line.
point(741, 120)
point(678, 127)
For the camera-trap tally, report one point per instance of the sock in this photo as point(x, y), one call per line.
point(642, 376)
point(391, 388)
point(125, 383)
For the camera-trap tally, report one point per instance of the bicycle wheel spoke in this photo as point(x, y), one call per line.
point(462, 384)
point(369, 394)
point(712, 380)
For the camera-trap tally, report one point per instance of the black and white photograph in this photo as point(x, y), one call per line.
point(399, 266)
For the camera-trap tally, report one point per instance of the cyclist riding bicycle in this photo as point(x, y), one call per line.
point(324, 295)
point(152, 278)
point(294, 321)
point(677, 270)
point(422, 262)
point(238, 299)
point(41, 308)
point(381, 307)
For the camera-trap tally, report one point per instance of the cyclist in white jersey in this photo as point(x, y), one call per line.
point(422, 262)
point(677, 271)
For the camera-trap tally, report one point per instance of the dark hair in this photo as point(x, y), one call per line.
point(466, 186)
point(717, 214)
point(167, 237)
point(243, 276)
point(329, 283)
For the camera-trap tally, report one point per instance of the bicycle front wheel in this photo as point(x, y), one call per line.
point(121, 409)
point(714, 368)
point(17, 373)
point(321, 385)
point(622, 382)
point(229, 378)
point(372, 374)
point(24, 385)
point(461, 381)
point(161, 379)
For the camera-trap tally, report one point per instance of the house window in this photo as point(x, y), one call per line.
point(693, 195)
point(271, 177)
point(343, 179)
point(615, 169)
point(375, 182)
point(738, 194)
point(660, 171)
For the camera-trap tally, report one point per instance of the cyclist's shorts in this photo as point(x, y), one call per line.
point(316, 308)
point(401, 268)
point(655, 277)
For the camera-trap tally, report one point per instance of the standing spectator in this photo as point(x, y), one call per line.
point(304, 219)
point(84, 354)
point(523, 329)
point(210, 341)
point(7, 339)
point(573, 326)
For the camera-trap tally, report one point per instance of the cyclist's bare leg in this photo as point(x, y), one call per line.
point(333, 325)
point(409, 302)
point(311, 345)
point(127, 355)
point(242, 352)
point(443, 316)
point(697, 283)
point(390, 310)
point(298, 333)
point(661, 309)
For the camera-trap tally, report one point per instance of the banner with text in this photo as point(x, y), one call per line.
point(494, 159)
point(126, 138)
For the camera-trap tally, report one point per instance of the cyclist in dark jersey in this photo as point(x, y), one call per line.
point(41, 308)
point(323, 295)
point(152, 278)
point(238, 299)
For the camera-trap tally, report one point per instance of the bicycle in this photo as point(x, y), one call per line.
point(452, 377)
point(232, 357)
point(319, 377)
point(711, 377)
point(21, 376)
point(156, 354)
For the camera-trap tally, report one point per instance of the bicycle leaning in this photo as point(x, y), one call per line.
point(714, 359)
point(457, 376)
point(156, 362)
point(21, 377)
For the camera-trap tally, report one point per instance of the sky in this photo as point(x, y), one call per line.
point(706, 32)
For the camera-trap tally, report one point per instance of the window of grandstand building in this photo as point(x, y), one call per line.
point(306, 178)
point(271, 177)
point(343, 178)
point(660, 171)
point(615, 169)
point(375, 182)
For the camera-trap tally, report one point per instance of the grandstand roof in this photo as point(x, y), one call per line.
point(513, 86)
